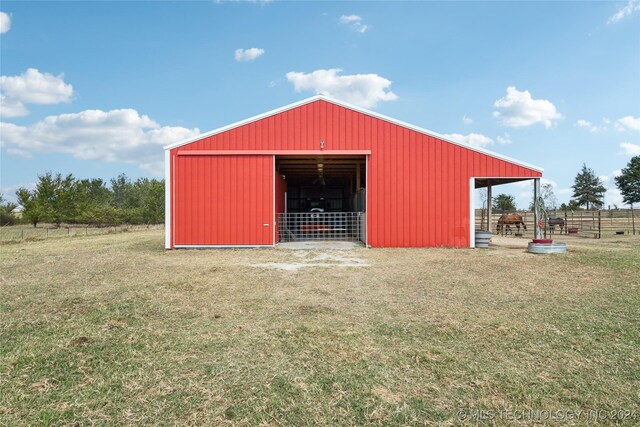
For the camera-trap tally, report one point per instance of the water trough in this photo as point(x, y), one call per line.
point(483, 238)
point(547, 248)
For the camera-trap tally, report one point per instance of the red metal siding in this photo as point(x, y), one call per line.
point(223, 200)
point(418, 191)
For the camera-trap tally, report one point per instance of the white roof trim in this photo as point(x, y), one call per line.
point(360, 110)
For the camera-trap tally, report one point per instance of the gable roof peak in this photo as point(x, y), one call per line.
point(327, 98)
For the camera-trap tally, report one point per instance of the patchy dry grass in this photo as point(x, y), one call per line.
point(113, 330)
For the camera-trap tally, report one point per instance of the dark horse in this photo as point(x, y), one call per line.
point(556, 221)
point(507, 220)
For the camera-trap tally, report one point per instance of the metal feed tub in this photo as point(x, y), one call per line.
point(483, 238)
point(547, 248)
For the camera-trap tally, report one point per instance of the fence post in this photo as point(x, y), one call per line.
point(599, 224)
point(566, 223)
point(633, 221)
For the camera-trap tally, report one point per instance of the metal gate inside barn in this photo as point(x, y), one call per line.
point(321, 198)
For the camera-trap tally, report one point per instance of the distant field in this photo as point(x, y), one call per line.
point(113, 330)
point(46, 231)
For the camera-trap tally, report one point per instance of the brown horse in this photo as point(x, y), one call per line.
point(507, 220)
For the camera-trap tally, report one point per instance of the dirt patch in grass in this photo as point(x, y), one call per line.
point(113, 330)
point(314, 259)
point(82, 341)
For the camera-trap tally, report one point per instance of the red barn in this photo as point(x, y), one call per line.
point(324, 169)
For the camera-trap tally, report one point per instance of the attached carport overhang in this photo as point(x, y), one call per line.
point(489, 183)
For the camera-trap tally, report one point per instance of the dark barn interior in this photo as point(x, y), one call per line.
point(324, 183)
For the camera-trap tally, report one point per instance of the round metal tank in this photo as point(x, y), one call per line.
point(483, 238)
point(547, 248)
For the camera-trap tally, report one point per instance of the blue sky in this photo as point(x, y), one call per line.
point(96, 89)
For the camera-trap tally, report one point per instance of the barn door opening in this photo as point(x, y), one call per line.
point(324, 198)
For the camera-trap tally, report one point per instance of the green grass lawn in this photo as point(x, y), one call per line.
point(113, 330)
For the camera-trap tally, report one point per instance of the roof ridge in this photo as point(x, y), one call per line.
point(327, 98)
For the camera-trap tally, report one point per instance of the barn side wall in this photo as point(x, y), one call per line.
point(418, 195)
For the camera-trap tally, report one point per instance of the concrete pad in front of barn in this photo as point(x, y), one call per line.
point(320, 245)
point(318, 254)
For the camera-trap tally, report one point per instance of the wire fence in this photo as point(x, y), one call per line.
point(15, 233)
point(592, 224)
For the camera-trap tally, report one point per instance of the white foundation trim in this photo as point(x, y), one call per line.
point(472, 213)
point(220, 246)
point(167, 199)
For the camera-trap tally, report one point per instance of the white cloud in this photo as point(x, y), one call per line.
point(585, 124)
point(564, 191)
point(467, 120)
point(529, 183)
point(523, 184)
point(552, 183)
point(5, 22)
point(628, 123)
point(113, 136)
point(365, 90)
point(9, 191)
point(519, 109)
point(354, 22)
point(244, 55)
point(631, 7)
point(612, 195)
point(630, 149)
point(473, 139)
point(504, 139)
point(32, 87)
point(477, 139)
point(12, 108)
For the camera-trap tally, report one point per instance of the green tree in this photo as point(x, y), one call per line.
point(32, 211)
point(53, 199)
point(140, 201)
point(6, 211)
point(151, 196)
point(57, 194)
point(574, 206)
point(65, 199)
point(126, 194)
point(93, 200)
point(629, 182)
point(588, 189)
point(504, 203)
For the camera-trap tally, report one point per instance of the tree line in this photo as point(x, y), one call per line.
point(62, 199)
point(65, 199)
point(588, 191)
